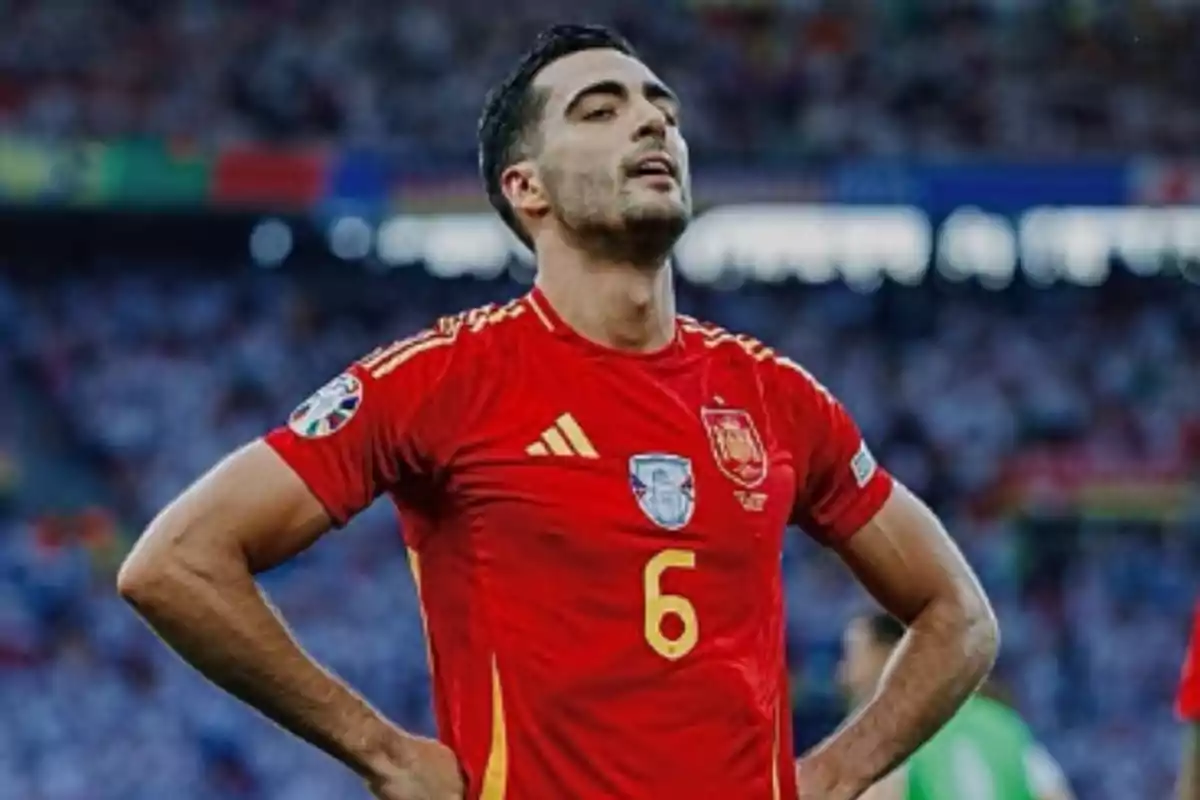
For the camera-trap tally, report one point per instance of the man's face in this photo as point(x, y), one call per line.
point(863, 662)
point(611, 158)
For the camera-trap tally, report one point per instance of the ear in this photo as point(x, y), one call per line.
point(523, 187)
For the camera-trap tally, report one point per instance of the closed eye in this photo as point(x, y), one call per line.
point(599, 114)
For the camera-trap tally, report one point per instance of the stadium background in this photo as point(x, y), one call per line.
point(978, 222)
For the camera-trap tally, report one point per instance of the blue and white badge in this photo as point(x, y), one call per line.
point(664, 488)
point(863, 465)
point(329, 409)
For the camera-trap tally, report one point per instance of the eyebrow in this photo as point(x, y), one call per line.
point(653, 90)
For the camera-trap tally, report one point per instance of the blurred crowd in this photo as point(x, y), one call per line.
point(814, 78)
point(154, 378)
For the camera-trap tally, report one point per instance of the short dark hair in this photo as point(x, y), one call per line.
point(885, 629)
point(512, 110)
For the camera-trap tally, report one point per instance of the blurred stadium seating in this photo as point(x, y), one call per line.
point(971, 220)
point(818, 78)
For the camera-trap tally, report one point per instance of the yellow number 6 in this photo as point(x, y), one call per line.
point(659, 605)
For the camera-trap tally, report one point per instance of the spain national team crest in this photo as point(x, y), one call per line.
point(664, 488)
point(329, 409)
point(736, 445)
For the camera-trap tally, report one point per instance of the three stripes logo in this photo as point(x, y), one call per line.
point(563, 438)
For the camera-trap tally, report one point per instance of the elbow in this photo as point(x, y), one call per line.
point(981, 632)
point(175, 559)
point(143, 574)
point(967, 625)
point(155, 570)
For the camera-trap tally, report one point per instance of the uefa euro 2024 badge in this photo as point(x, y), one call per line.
point(664, 487)
point(329, 409)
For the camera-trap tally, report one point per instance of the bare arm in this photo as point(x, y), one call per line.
point(1189, 774)
point(906, 560)
point(892, 787)
point(191, 578)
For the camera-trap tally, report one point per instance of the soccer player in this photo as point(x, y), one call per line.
point(594, 492)
point(986, 752)
point(1188, 708)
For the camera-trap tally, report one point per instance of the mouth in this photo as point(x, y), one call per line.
point(659, 166)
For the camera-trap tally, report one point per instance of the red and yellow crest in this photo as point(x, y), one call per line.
point(736, 445)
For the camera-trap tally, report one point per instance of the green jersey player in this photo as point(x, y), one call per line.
point(985, 752)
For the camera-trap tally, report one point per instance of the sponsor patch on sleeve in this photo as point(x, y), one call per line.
point(863, 465)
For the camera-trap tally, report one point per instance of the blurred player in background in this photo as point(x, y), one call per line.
point(1188, 708)
point(986, 752)
point(594, 492)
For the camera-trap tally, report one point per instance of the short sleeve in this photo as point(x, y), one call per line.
point(840, 487)
point(1187, 705)
point(382, 421)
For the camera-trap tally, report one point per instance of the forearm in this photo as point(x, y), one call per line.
point(948, 650)
point(1189, 774)
point(209, 609)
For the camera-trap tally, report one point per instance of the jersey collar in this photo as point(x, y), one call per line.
point(555, 325)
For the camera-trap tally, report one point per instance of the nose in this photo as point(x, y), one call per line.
point(651, 121)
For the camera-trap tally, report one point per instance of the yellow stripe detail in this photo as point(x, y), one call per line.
point(541, 314)
point(396, 361)
point(775, 790)
point(716, 336)
point(537, 449)
point(414, 564)
point(495, 774)
point(576, 436)
point(381, 354)
point(557, 444)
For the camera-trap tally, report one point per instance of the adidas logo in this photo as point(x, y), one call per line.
point(563, 438)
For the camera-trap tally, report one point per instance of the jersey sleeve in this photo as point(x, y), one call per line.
point(382, 421)
point(840, 487)
point(1188, 702)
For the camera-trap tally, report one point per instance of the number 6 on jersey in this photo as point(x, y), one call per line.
point(659, 606)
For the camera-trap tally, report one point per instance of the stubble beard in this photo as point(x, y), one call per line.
point(643, 230)
point(618, 221)
point(650, 237)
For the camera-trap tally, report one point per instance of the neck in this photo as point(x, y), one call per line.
point(618, 304)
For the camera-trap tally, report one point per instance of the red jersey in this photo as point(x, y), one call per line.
point(1188, 704)
point(596, 537)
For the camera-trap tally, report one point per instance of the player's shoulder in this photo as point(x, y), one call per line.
point(485, 330)
point(708, 336)
point(742, 347)
point(450, 341)
point(485, 324)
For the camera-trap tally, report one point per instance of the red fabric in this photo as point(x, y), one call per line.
point(1188, 703)
point(571, 507)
